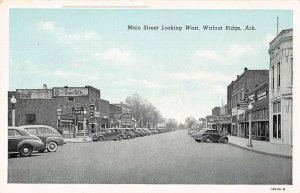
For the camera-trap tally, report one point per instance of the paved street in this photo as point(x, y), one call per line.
point(169, 158)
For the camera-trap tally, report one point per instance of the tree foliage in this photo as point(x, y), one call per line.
point(190, 122)
point(145, 114)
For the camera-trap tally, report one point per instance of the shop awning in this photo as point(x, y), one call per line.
point(261, 104)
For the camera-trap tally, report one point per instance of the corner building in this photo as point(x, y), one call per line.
point(281, 88)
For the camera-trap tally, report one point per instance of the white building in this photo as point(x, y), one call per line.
point(280, 88)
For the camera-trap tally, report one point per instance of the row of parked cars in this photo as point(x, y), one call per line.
point(23, 140)
point(126, 133)
point(207, 135)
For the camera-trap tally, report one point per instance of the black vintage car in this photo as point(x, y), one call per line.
point(21, 142)
point(210, 135)
point(109, 134)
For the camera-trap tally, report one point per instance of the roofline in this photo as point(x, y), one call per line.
point(258, 87)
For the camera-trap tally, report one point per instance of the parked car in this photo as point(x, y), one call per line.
point(210, 135)
point(137, 134)
point(147, 131)
point(49, 136)
point(153, 131)
point(128, 134)
point(22, 142)
point(109, 134)
point(141, 132)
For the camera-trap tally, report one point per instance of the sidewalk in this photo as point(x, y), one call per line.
point(262, 147)
point(77, 140)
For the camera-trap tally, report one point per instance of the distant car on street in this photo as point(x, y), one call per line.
point(49, 136)
point(128, 134)
point(210, 135)
point(137, 134)
point(141, 132)
point(147, 131)
point(22, 142)
point(153, 131)
point(109, 134)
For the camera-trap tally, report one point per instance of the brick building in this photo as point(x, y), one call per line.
point(36, 107)
point(237, 90)
point(115, 113)
point(53, 107)
point(215, 112)
point(104, 113)
point(259, 98)
point(281, 88)
point(87, 96)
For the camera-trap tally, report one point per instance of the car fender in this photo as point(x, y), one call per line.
point(36, 144)
point(57, 140)
point(223, 137)
point(101, 136)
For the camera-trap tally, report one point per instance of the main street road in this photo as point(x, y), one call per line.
point(168, 158)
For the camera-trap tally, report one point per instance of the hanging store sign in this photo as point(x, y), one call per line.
point(78, 111)
point(74, 91)
point(97, 114)
point(126, 118)
point(262, 95)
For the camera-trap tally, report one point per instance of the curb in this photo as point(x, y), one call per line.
point(261, 152)
point(78, 141)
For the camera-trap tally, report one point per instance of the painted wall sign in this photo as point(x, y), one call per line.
point(74, 91)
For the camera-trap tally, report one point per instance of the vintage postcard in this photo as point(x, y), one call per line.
point(142, 97)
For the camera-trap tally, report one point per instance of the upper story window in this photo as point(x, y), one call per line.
point(292, 70)
point(273, 86)
point(278, 74)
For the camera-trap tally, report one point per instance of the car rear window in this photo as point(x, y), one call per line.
point(43, 130)
point(11, 132)
point(32, 131)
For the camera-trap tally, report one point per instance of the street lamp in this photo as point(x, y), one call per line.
point(250, 107)
point(13, 101)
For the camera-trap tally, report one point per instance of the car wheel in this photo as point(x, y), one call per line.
point(225, 140)
point(100, 138)
point(128, 136)
point(208, 140)
point(42, 151)
point(120, 138)
point(26, 150)
point(52, 147)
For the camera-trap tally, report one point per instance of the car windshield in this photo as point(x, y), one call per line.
point(201, 131)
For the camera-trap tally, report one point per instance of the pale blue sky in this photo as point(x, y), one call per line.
point(182, 73)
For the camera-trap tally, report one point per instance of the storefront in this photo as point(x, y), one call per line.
point(259, 120)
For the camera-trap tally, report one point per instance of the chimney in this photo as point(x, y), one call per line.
point(237, 76)
point(245, 69)
point(45, 86)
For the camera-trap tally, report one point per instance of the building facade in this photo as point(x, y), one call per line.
point(55, 107)
point(115, 113)
point(89, 99)
point(104, 113)
point(238, 89)
point(281, 88)
point(259, 99)
point(215, 112)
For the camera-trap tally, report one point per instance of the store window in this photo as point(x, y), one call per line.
point(276, 118)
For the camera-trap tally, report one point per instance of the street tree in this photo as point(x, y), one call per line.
point(190, 122)
point(171, 124)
